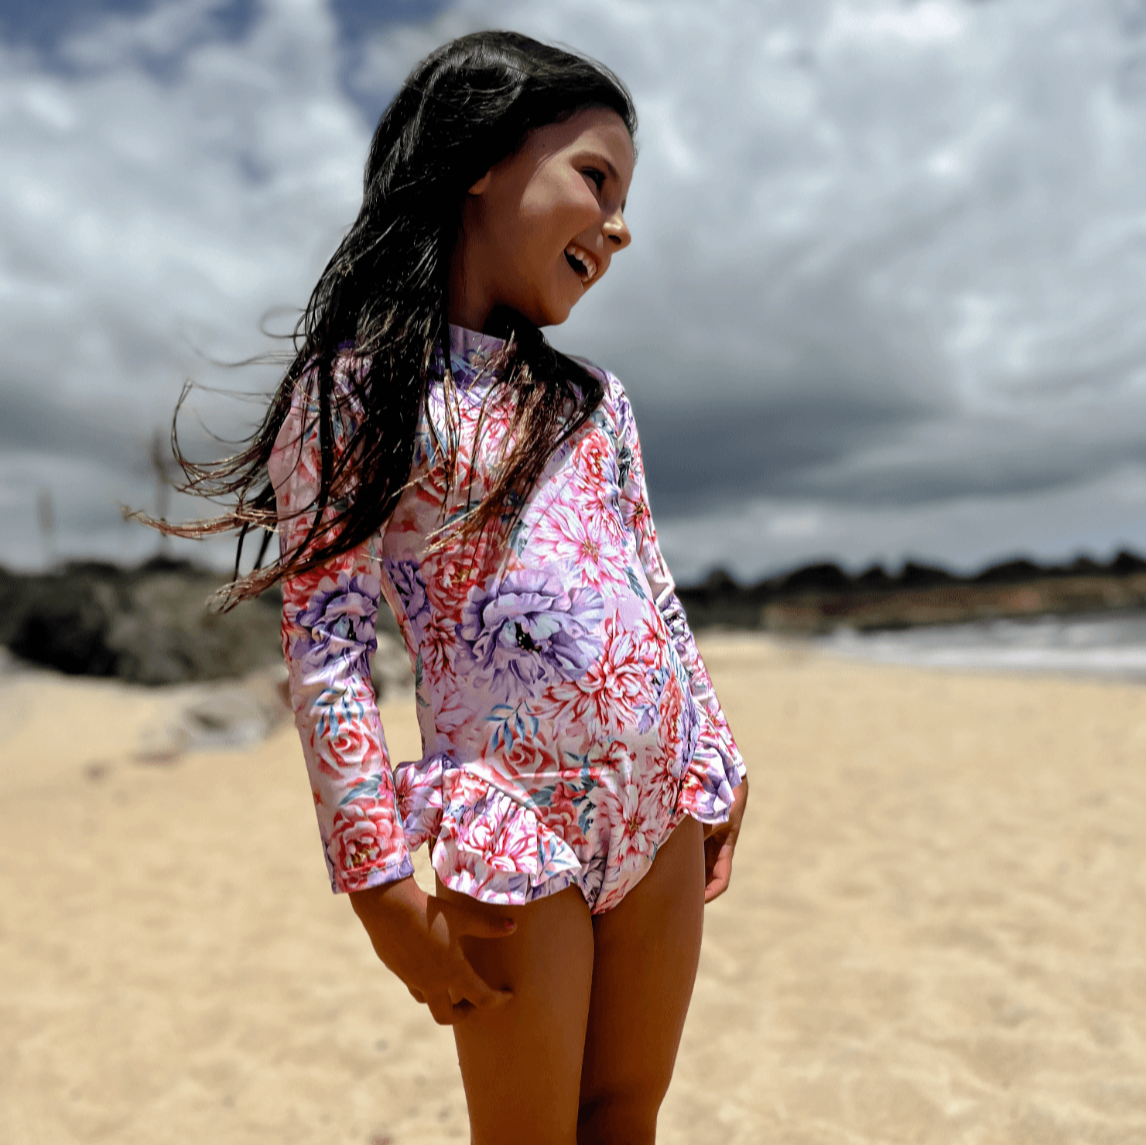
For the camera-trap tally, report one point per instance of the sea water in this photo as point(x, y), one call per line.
point(1111, 645)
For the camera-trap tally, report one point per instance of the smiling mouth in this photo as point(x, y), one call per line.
point(582, 263)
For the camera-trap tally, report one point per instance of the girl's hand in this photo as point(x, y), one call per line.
point(416, 935)
point(720, 842)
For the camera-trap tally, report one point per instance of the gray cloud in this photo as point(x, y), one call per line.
point(883, 297)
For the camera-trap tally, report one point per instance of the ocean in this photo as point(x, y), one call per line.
point(1110, 646)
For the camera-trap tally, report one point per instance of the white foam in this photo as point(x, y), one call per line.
point(1112, 646)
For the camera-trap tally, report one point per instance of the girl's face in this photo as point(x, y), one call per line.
point(540, 227)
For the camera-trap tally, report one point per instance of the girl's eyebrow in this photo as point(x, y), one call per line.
point(610, 168)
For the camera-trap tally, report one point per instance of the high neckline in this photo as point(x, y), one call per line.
point(463, 342)
point(470, 354)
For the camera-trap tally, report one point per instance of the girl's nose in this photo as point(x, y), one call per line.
point(617, 230)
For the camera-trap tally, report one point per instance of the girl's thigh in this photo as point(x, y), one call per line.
point(521, 1064)
point(645, 959)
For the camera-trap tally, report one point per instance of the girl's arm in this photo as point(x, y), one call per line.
point(328, 639)
point(715, 745)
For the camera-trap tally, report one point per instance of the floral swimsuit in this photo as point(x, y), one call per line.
point(568, 722)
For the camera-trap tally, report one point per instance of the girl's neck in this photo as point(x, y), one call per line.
point(468, 308)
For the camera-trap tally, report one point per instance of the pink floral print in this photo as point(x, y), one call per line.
point(567, 719)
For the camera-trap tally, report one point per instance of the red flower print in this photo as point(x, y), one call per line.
point(577, 539)
point(298, 589)
point(493, 827)
point(606, 698)
point(362, 839)
point(561, 816)
point(640, 520)
point(437, 648)
point(532, 758)
point(355, 747)
point(619, 813)
point(671, 706)
point(595, 460)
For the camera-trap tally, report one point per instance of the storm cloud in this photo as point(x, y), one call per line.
point(883, 299)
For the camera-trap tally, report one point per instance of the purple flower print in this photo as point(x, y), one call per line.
point(339, 627)
point(689, 728)
point(712, 795)
point(648, 712)
point(411, 589)
point(518, 631)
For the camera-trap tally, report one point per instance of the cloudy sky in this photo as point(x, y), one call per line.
point(886, 296)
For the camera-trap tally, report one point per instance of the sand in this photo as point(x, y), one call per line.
point(936, 930)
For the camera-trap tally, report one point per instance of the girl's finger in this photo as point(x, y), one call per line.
point(720, 875)
point(472, 988)
point(716, 887)
point(441, 1009)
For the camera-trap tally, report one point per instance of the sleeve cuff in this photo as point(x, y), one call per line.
point(362, 878)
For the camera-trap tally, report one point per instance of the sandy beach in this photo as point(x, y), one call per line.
point(936, 930)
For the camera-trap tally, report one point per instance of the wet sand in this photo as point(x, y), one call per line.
point(936, 930)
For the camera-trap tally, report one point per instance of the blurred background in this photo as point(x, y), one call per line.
point(884, 302)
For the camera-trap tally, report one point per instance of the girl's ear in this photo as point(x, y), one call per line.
point(479, 187)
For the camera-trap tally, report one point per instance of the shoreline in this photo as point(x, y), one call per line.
point(150, 624)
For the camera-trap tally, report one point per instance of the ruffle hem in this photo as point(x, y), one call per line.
point(490, 845)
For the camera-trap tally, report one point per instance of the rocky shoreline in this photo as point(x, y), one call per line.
point(151, 624)
point(819, 598)
point(145, 625)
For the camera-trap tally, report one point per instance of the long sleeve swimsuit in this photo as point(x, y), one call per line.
point(568, 722)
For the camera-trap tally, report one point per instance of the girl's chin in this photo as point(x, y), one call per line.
point(551, 309)
point(553, 315)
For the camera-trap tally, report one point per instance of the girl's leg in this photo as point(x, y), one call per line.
point(521, 1063)
point(646, 951)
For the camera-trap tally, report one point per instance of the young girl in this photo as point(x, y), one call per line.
point(430, 447)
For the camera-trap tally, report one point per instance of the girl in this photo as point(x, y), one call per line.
point(430, 447)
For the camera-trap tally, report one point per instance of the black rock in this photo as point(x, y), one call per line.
point(1127, 564)
point(913, 575)
point(875, 577)
point(64, 625)
point(1011, 572)
point(1083, 566)
point(816, 578)
point(145, 625)
point(719, 585)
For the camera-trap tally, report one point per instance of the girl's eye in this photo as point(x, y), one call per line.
point(597, 177)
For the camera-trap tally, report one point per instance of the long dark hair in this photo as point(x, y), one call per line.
point(384, 293)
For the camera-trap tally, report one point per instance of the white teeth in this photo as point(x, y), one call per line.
point(584, 258)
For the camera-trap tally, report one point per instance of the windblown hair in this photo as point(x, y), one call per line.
point(383, 297)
